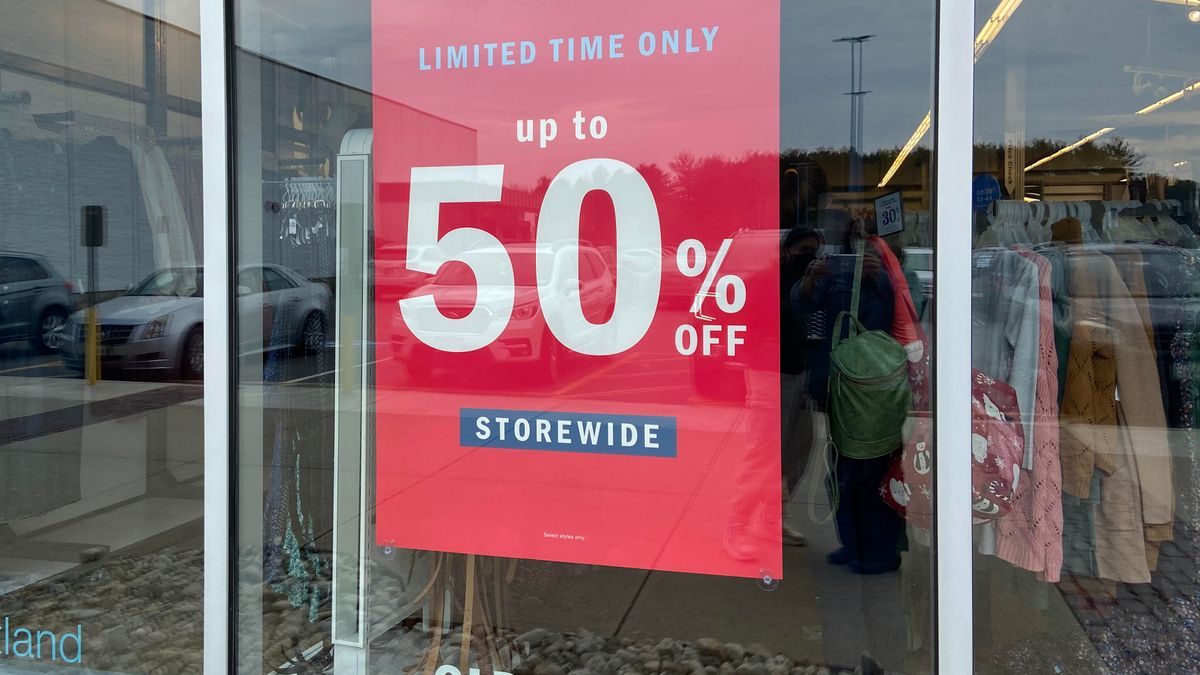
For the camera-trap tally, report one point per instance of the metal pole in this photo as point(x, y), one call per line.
point(154, 77)
point(91, 349)
point(856, 94)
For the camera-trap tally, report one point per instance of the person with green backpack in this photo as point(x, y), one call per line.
point(858, 377)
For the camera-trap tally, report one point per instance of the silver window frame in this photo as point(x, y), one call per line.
point(218, 335)
point(954, 91)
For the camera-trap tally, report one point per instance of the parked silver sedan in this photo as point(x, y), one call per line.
point(34, 301)
point(156, 327)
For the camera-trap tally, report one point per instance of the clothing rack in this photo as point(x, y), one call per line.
point(1154, 207)
point(1011, 222)
point(306, 192)
point(306, 208)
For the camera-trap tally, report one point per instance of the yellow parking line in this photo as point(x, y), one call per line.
point(52, 364)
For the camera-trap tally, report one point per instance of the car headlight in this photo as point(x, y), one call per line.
point(525, 311)
point(156, 328)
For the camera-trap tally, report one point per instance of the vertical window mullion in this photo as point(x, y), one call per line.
point(953, 118)
point(218, 430)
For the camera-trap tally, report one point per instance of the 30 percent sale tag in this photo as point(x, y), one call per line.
point(577, 298)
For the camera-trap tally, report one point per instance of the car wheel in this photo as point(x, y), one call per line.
point(550, 366)
point(49, 335)
point(312, 333)
point(193, 355)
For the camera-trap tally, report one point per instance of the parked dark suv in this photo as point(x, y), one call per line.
point(35, 301)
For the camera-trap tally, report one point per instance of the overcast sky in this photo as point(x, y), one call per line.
point(1073, 54)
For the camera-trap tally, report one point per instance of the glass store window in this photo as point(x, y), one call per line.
point(537, 307)
point(1084, 317)
point(101, 464)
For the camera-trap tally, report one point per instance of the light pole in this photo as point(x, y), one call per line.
point(856, 95)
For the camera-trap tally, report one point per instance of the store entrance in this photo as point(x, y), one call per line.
point(579, 407)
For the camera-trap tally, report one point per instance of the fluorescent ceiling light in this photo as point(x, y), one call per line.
point(922, 129)
point(1083, 141)
point(991, 28)
point(1170, 99)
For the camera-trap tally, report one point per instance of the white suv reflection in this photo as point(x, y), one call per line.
point(526, 340)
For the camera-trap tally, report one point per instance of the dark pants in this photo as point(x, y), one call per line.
point(866, 526)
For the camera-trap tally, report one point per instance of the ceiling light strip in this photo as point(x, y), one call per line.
point(991, 28)
point(922, 129)
point(1170, 99)
point(1083, 141)
point(987, 34)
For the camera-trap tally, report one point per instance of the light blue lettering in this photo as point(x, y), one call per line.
point(590, 48)
point(77, 637)
point(53, 644)
point(555, 43)
point(670, 42)
point(423, 66)
point(614, 46)
point(646, 43)
point(507, 50)
point(456, 57)
point(528, 52)
point(691, 48)
point(709, 37)
point(27, 641)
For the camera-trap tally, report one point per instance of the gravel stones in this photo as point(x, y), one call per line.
point(544, 652)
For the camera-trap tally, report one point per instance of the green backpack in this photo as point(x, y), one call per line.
point(869, 394)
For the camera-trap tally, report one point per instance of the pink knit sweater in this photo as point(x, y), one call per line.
point(1030, 536)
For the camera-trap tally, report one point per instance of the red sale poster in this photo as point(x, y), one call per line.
point(577, 281)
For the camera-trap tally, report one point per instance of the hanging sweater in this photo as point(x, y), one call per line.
point(1060, 290)
point(1089, 408)
point(1030, 536)
point(1005, 312)
point(1113, 421)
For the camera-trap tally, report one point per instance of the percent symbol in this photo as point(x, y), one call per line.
point(729, 290)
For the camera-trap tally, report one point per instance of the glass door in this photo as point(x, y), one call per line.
point(608, 342)
point(1084, 304)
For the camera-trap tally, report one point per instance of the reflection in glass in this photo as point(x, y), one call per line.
point(101, 470)
point(1084, 308)
point(322, 583)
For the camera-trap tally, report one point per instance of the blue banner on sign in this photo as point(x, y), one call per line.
point(985, 189)
point(636, 435)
